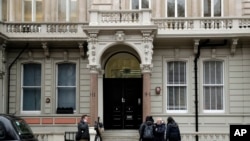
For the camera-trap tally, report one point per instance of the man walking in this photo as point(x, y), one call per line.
point(83, 129)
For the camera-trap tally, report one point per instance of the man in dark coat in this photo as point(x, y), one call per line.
point(149, 123)
point(160, 129)
point(173, 132)
point(83, 129)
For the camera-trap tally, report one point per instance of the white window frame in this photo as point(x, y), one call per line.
point(33, 10)
point(166, 85)
point(176, 9)
point(21, 103)
point(76, 84)
point(223, 85)
point(68, 10)
point(140, 1)
point(1, 16)
point(212, 9)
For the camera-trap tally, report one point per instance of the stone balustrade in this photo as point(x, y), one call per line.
point(184, 136)
point(25, 30)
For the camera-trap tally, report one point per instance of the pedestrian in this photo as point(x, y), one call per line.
point(83, 129)
point(160, 129)
point(173, 131)
point(146, 129)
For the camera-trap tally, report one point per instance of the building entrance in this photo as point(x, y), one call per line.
point(122, 103)
point(122, 91)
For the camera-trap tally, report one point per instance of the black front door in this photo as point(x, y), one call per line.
point(122, 103)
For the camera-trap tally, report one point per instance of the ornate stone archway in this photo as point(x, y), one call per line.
point(99, 41)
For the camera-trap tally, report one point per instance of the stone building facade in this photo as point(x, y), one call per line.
point(122, 60)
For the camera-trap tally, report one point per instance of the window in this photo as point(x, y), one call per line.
point(67, 10)
point(176, 8)
point(66, 85)
point(213, 85)
point(176, 86)
point(140, 4)
point(212, 8)
point(3, 12)
point(31, 87)
point(33, 10)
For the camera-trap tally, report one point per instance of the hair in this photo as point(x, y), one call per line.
point(170, 119)
point(84, 116)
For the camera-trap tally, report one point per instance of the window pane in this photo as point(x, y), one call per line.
point(213, 98)
point(207, 98)
point(170, 72)
point(61, 10)
point(32, 75)
point(176, 73)
point(31, 99)
point(135, 4)
point(171, 8)
point(4, 10)
point(213, 72)
point(217, 8)
point(66, 97)
point(181, 8)
point(73, 10)
point(219, 97)
point(144, 4)
point(66, 74)
point(27, 10)
point(39, 10)
point(176, 98)
point(207, 8)
point(219, 73)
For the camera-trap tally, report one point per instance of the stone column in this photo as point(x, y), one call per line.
point(94, 70)
point(146, 67)
point(146, 93)
point(93, 94)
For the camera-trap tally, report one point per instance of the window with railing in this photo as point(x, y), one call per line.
point(67, 10)
point(176, 8)
point(140, 4)
point(213, 86)
point(31, 87)
point(212, 8)
point(66, 86)
point(176, 86)
point(33, 10)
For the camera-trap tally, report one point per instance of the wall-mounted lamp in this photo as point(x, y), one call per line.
point(47, 100)
point(158, 90)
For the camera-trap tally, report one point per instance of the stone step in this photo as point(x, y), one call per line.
point(120, 135)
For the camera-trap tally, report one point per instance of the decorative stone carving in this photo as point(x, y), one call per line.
point(81, 49)
point(119, 36)
point(30, 54)
point(92, 43)
point(213, 53)
point(233, 45)
point(146, 68)
point(65, 55)
point(147, 39)
point(46, 49)
point(196, 44)
point(2, 48)
point(93, 68)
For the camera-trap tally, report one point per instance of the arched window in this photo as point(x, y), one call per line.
point(122, 65)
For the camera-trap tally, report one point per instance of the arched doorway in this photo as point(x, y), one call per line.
point(122, 91)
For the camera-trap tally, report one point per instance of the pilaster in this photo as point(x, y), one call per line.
point(94, 70)
point(146, 71)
